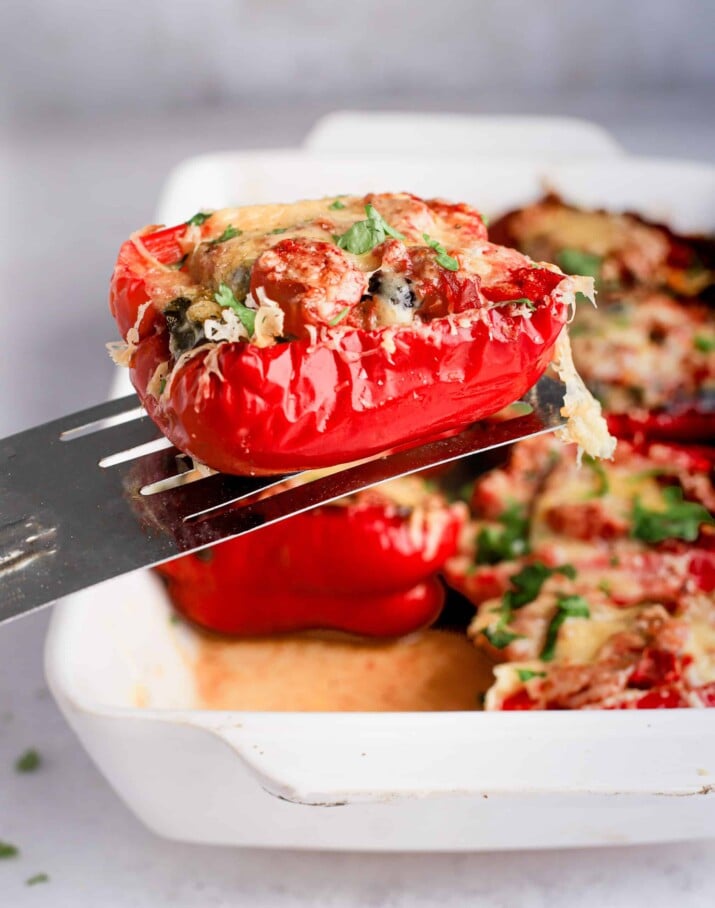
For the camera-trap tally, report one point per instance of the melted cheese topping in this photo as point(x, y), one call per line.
point(585, 426)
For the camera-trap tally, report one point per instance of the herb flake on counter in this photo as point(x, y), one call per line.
point(572, 606)
point(37, 878)
point(198, 219)
point(446, 261)
point(8, 851)
point(363, 236)
point(224, 297)
point(679, 519)
point(28, 761)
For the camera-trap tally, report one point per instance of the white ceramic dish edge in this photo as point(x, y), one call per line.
point(449, 133)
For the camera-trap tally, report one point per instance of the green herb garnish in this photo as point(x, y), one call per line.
point(566, 607)
point(337, 205)
point(37, 878)
point(339, 317)
point(446, 261)
point(28, 762)
point(278, 230)
point(502, 544)
point(678, 520)
point(704, 344)
point(229, 233)
point(365, 235)
point(527, 583)
point(8, 851)
point(600, 475)
point(521, 301)
point(225, 297)
point(198, 219)
point(576, 261)
point(526, 674)
point(499, 636)
point(179, 263)
point(521, 408)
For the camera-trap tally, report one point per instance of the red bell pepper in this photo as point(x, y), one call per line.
point(352, 392)
point(367, 567)
point(689, 424)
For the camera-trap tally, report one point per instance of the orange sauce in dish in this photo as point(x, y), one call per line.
point(431, 670)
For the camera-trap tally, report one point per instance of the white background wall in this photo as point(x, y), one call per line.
point(92, 55)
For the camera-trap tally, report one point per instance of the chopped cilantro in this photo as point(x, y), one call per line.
point(525, 587)
point(7, 850)
point(704, 344)
point(527, 583)
point(526, 674)
point(566, 607)
point(37, 878)
point(465, 491)
point(521, 408)
point(28, 762)
point(229, 233)
point(198, 219)
point(605, 586)
point(678, 520)
point(278, 230)
point(600, 475)
point(225, 297)
point(500, 636)
point(446, 261)
point(485, 219)
point(337, 205)
point(495, 545)
point(521, 301)
point(162, 386)
point(365, 235)
point(576, 261)
point(339, 317)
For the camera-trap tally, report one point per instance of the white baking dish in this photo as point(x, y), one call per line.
point(511, 135)
point(378, 781)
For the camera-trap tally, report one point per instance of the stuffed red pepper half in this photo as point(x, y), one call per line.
point(366, 565)
point(648, 352)
point(276, 338)
point(594, 587)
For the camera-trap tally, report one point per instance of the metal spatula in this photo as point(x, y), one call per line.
point(101, 492)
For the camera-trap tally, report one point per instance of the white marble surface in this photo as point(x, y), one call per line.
point(101, 179)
